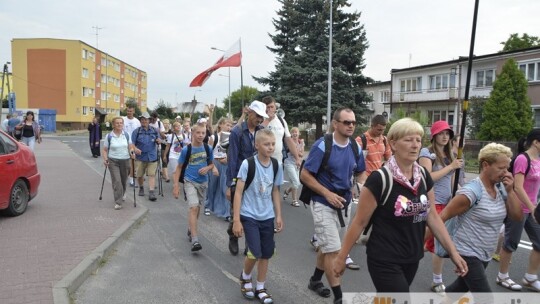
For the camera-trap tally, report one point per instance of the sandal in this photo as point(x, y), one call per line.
point(295, 204)
point(319, 288)
point(246, 292)
point(264, 297)
point(508, 284)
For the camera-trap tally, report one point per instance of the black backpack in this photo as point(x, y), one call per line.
point(511, 167)
point(186, 160)
point(251, 170)
point(307, 193)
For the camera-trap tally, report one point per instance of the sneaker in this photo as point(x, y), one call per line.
point(189, 235)
point(438, 288)
point(351, 264)
point(196, 247)
point(141, 191)
point(117, 207)
point(508, 284)
point(314, 243)
point(206, 211)
point(152, 195)
point(532, 285)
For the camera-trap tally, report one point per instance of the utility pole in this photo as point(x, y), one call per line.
point(4, 75)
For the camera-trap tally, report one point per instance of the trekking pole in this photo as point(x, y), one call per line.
point(158, 169)
point(103, 183)
point(134, 181)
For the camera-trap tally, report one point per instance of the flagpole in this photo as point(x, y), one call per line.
point(329, 100)
point(241, 77)
point(465, 104)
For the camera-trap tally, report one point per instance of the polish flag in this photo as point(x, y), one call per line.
point(231, 58)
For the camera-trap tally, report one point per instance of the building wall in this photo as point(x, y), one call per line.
point(75, 79)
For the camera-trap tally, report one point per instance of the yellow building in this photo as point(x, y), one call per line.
point(74, 78)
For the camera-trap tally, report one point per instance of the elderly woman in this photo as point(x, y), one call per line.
point(398, 200)
point(481, 207)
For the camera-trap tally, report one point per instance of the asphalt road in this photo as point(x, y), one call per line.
point(155, 264)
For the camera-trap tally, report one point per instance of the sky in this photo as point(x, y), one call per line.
point(171, 40)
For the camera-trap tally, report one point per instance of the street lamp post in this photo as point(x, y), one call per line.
point(229, 115)
point(4, 75)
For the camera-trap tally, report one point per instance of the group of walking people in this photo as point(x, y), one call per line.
point(405, 202)
point(26, 130)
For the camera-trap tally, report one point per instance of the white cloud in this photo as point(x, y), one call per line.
point(171, 40)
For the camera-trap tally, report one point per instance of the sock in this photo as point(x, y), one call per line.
point(503, 275)
point(246, 276)
point(437, 278)
point(194, 239)
point(337, 292)
point(531, 277)
point(260, 285)
point(317, 275)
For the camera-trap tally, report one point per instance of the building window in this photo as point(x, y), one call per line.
point(437, 115)
point(116, 98)
point(91, 110)
point(411, 84)
point(84, 54)
point(438, 82)
point(531, 70)
point(103, 95)
point(85, 110)
point(485, 78)
point(85, 73)
point(384, 96)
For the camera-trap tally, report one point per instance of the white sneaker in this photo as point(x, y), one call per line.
point(117, 207)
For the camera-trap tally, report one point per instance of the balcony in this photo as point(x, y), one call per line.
point(425, 95)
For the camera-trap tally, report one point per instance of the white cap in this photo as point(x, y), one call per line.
point(201, 120)
point(259, 108)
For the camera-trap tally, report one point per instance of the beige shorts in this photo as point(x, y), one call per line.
point(148, 168)
point(327, 226)
point(195, 193)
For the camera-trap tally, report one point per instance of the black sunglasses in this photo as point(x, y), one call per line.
point(348, 122)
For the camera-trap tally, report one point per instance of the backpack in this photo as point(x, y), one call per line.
point(186, 160)
point(364, 143)
point(511, 167)
point(251, 170)
point(284, 149)
point(109, 136)
point(387, 184)
point(452, 225)
point(307, 193)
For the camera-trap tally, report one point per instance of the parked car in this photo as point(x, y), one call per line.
point(19, 178)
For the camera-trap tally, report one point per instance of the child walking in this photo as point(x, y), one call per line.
point(195, 178)
point(255, 211)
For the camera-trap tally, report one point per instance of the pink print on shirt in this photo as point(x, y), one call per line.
point(417, 208)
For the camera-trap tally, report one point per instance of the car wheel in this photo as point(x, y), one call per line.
point(18, 199)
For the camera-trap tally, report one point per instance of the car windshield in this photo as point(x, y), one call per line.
point(7, 144)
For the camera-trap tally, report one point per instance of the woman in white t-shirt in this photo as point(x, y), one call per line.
point(175, 143)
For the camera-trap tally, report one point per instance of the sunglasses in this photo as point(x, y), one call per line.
point(348, 122)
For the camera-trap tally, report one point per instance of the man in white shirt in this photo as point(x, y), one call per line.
point(5, 123)
point(130, 123)
point(279, 127)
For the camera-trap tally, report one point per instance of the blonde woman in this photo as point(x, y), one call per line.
point(292, 170)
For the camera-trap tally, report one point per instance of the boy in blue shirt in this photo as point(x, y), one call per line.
point(200, 162)
point(254, 213)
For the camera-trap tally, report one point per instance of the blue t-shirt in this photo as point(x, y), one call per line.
point(197, 160)
point(257, 199)
point(341, 166)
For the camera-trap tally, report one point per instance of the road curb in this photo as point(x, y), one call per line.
point(64, 288)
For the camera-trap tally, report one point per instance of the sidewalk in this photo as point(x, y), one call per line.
point(63, 225)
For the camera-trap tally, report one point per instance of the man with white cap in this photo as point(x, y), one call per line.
point(242, 146)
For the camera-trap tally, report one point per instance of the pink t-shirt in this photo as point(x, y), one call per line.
point(532, 179)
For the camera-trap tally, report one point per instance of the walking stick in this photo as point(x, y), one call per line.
point(160, 185)
point(103, 183)
point(134, 181)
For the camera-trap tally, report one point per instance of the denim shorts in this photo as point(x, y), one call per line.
point(259, 237)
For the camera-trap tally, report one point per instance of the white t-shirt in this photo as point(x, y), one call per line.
point(130, 125)
point(175, 140)
point(277, 128)
point(158, 125)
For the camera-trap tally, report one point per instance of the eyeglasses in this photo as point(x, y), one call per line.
point(348, 122)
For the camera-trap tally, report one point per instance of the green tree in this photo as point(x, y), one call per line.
point(131, 102)
point(474, 115)
point(514, 42)
point(507, 113)
point(417, 115)
point(300, 79)
point(164, 110)
point(240, 97)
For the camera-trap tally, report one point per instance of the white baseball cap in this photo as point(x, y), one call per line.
point(201, 120)
point(259, 108)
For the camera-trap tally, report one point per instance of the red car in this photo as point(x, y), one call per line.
point(19, 176)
